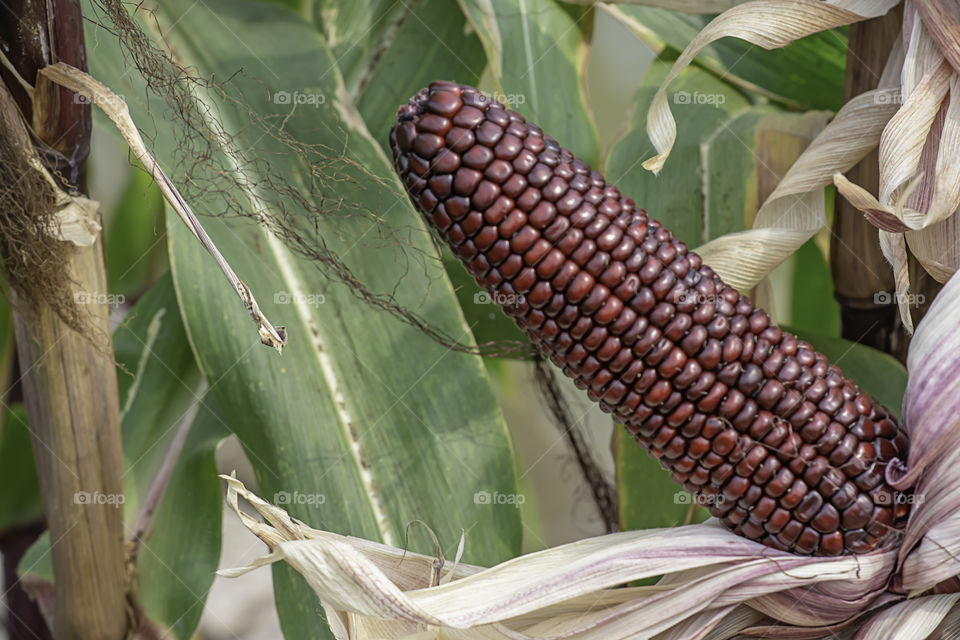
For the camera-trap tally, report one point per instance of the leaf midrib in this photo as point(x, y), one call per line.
point(290, 273)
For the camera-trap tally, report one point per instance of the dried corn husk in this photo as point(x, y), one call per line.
point(715, 583)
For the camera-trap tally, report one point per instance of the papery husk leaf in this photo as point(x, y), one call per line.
point(767, 23)
point(794, 212)
point(903, 142)
point(921, 51)
point(867, 203)
point(937, 248)
point(919, 175)
point(742, 617)
point(935, 559)
point(931, 401)
point(372, 590)
point(910, 620)
point(931, 411)
point(942, 20)
point(950, 627)
point(823, 605)
point(819, 632)
point(704, 624)
point(894, 248)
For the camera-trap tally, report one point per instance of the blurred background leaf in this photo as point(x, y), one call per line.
point(435, 35)
point(535, 50)
point(649, 498)
point(812, 305)
point(21, 502)
point(703, 106)
point(358, 32)
point(171, 429)
point(135, 249)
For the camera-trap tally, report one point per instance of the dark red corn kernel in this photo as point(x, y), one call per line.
point(727, 402)
point(489, 133)
point(459, 139)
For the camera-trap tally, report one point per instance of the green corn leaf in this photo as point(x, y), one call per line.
point(704, 107)
point(435, 35)
point(22, 504)
point(364, 422)
point(535, 50)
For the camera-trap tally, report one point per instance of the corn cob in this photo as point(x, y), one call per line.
point(783, 448)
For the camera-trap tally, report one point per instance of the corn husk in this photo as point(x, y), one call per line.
point(715, 584)
point(919, 175)
point(567, 591)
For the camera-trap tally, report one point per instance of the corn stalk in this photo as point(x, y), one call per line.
point(69, 378)
point(861, 275)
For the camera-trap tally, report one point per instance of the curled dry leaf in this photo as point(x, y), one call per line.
point(795, 209)
point(767, 23)
point(894, 249)
point(919, 139)
point(567, 591)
